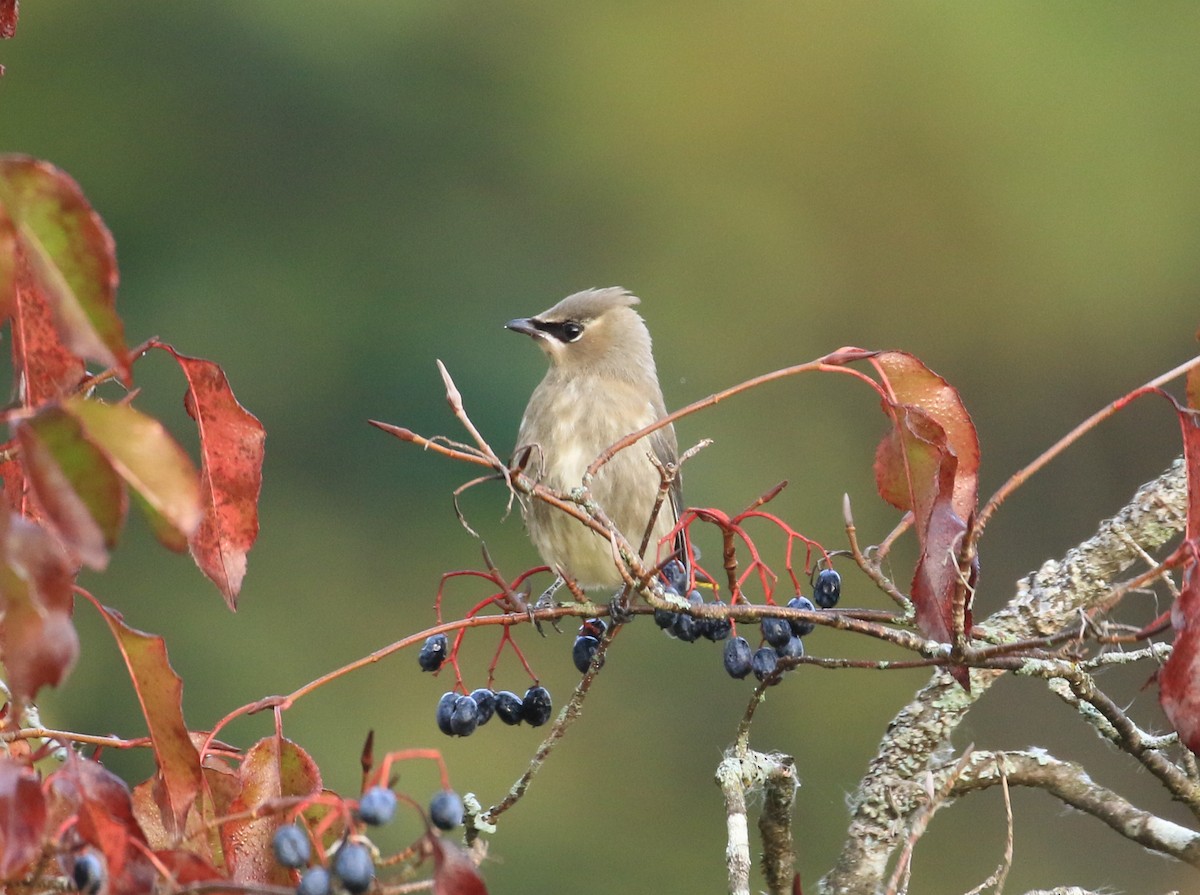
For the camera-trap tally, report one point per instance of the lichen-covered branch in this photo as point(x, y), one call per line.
point(1046, 602)
point(1069, 782)
point(744, 771)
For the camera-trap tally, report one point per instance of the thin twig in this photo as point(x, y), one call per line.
point(872, 569)
point(1022, 475)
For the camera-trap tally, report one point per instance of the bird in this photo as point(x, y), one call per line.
point(601, 385)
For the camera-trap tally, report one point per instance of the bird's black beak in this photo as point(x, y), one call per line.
point(523, 325)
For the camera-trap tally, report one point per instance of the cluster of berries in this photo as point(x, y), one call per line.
point(458, 714)
point(783, 637)
point(352, 867)
point(686, 627)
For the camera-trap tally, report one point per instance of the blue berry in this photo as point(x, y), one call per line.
point(509, 707)
point(433, 652)
point(793, 649)
point(377, 806)
point(737, 657)
point(315, 881)
point(717, 628)
point(465, 717)
point(536, 706)
point(685, 627)
point(485, 701)
point(776, 631)
point(763, 662)
point(799, 628)
point(665, 619)
point(584, 651)
point(445, 710)
point(292, 848)
point(828, 588)
point(446, 810)
point(675, 575)
point(89, 872)
point(353, 866)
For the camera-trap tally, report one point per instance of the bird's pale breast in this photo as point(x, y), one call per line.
point(577, 421)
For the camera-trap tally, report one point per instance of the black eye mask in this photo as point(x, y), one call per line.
point(564, 330)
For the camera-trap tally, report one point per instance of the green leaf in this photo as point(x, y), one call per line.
point(144, 454)
point(71, 255)
point(75, 486)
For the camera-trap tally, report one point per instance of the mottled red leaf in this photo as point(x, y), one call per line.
point(160, 692)
point(100, 801)
point(13, 474)
point(38, 643)
point(273, 767)
point(144, 454)
point(71, 254)
point(186, 867)
point(44, 367)
point(8, 18)
point(1179, 678)
point(231, 452)
point(22, 818)
point(76, 489)
point(200, 836)
point(454, 873)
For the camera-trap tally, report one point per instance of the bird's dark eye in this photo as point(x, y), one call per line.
point(571, 331)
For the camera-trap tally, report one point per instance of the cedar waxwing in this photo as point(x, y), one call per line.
point(601, 386)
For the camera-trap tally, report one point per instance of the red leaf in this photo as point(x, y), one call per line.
point(78, 492)
point(38, 643)
point(100, 801)
point(144, 454)
point(160, 692)
point(14, 483)
point(22, 818)
point(186, 868)
point(43, 366)
point(929, 464)
point(911, 383)
point(273, 767)
point(71, 255)
point(8, 18)
point(1179, 678)
point(454, 873)
point(231, 449)
point(220, 788)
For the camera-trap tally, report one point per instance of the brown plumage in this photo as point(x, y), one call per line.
point(601, 386)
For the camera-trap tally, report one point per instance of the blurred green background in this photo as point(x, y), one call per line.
point(324, 198)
